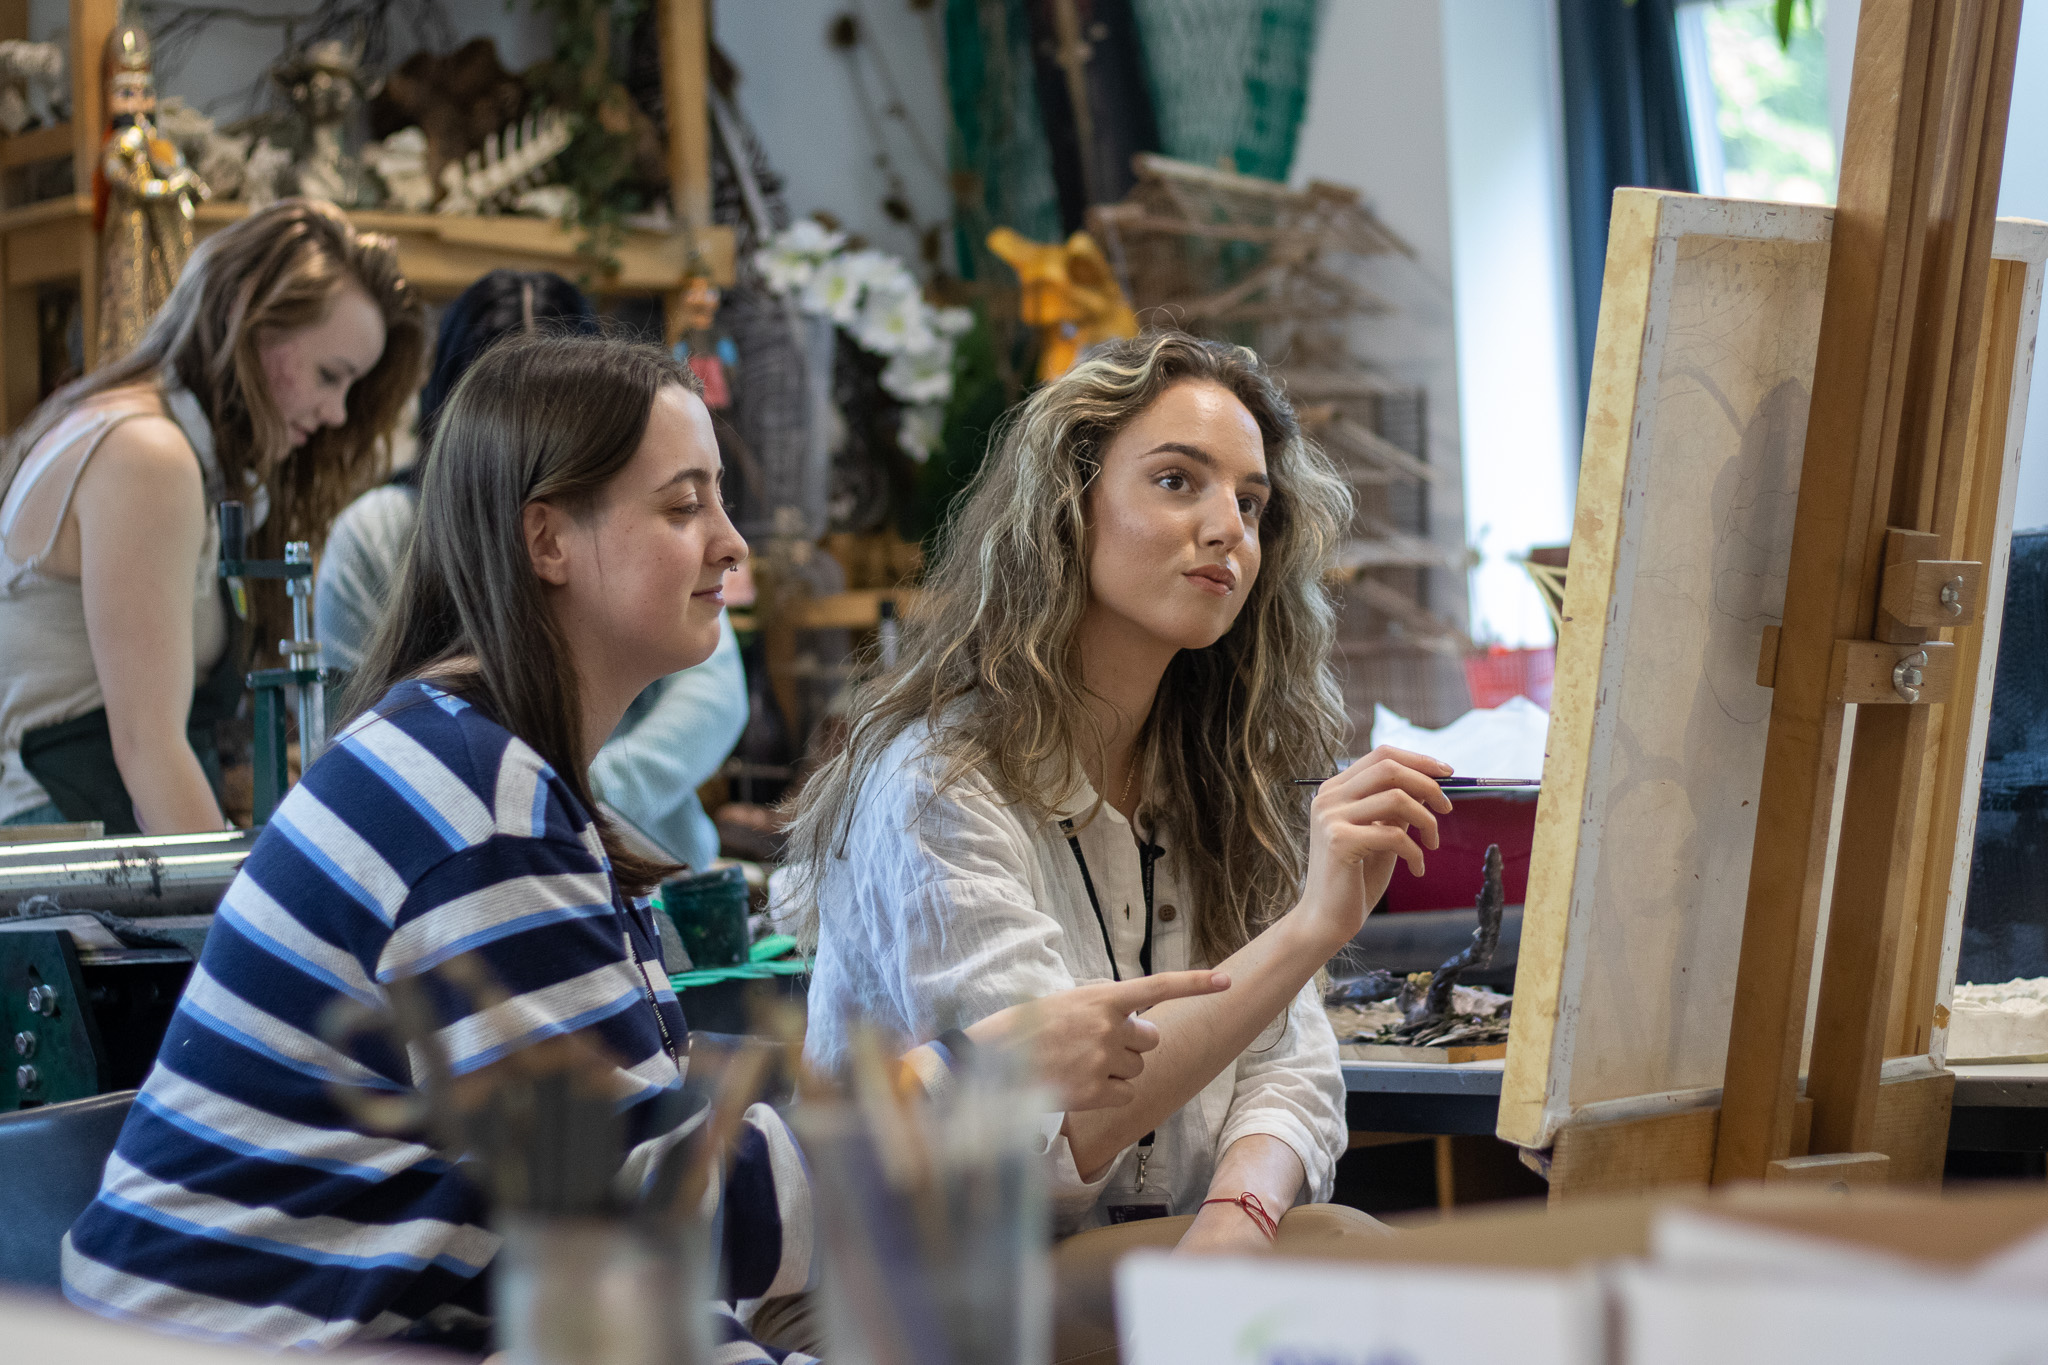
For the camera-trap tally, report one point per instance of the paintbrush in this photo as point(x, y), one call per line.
point(1450, 782)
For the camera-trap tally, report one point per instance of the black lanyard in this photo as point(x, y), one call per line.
point(1148, 854)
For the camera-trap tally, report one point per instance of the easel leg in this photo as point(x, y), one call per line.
point(1864, 923)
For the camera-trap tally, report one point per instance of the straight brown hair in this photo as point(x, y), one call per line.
point(537, 419)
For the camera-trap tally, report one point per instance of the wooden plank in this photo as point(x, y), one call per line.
point(1834, 1170)
point(1664, 1152)
point(1887, 793)
point(443, 254)
point(685, 89)
point(1852, 435)
point(1527, 1109)
point(1868, 672)
point(40, 144)
point(47, 251)
point(91, 22)
point(1944, 875)
point(20, 346)
point(46, 210)
point(1444, 1056)
point(1922, 590)
point(1911, 1126)
point(1869, 906)
point(1995, 430)
point(856, 609)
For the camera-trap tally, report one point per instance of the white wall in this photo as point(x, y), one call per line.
point(1447, 114)
point(1375, 121)
point(800, 97)
point(1518, 392)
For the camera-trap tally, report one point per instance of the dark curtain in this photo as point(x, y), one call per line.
point(1120, 122)
point(1624, 124)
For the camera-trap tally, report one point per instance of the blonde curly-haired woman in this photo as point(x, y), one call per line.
point(1080, 769)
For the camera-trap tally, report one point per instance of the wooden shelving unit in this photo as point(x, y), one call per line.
point(51, 241)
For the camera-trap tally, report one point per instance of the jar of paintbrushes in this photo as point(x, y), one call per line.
point(931, 1213)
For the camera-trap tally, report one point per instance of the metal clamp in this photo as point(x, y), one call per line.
point(1951, 597)
point(1907, 676)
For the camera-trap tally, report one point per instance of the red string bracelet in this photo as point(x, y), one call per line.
point(1253, 1210)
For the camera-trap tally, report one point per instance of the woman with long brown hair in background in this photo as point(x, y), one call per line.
point(1080, 769)
point(273, 375)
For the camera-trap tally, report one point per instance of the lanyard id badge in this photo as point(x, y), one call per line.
point(1134, 1209)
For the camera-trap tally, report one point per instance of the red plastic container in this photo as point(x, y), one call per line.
point(1453, 872)
point(1499, 674)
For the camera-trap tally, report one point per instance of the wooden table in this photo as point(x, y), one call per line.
point(1998, 1108)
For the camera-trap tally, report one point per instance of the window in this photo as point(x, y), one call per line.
point(1759, 112)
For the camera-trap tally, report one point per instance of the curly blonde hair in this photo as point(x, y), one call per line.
point(989, 661)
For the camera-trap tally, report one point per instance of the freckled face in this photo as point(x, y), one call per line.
point(309, 370)
point(1173, 518)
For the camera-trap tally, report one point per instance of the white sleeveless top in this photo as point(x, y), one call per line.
point(46, 668)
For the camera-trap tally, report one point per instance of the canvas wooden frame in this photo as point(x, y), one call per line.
point(1628, 960)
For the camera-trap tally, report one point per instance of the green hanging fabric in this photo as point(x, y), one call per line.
point(1002, 165)
point(1229, 79)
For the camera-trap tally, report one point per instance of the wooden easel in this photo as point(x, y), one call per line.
point(1799, 462)
point(1888, 549)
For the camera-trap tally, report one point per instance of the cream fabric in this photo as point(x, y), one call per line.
point(46, 666)
point(945, 907)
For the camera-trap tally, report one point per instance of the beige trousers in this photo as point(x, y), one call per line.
point(1084, 1279)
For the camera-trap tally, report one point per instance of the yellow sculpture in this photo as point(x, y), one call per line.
point(1070, 295)
point(146, 198)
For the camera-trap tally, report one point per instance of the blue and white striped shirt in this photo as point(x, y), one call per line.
point(242, 1201)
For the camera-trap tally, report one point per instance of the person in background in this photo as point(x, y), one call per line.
point(273, 375)
point(676, 733)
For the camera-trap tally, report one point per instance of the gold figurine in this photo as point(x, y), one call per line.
point(145, 198)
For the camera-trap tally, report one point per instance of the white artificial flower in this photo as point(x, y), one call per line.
point(834, 291)
point(896, 321)
point(924, 376)
point(784, 271)
point(839, 285)
point(793, 255)
point(919, 430)
point(809, 237)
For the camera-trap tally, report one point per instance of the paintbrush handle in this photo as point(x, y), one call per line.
point(1452, 783)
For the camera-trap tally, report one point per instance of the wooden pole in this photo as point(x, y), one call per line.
point(1951, 821)
point(91, 22)
point(1873, 894)
point(686, 91)
point(1899, 331)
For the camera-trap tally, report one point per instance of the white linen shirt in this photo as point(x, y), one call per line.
point(941, 908)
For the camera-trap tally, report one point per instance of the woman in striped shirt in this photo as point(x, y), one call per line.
point(570, 551)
